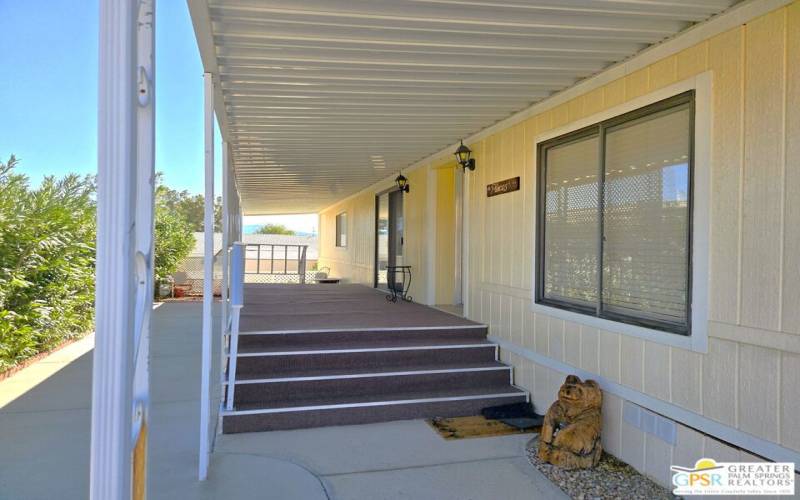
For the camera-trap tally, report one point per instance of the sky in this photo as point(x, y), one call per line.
point(48, 92)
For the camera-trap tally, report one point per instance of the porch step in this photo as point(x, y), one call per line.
point(401, 405)
point(363, 337)
point(292, 379)
point(349, 356)
point(285, 391)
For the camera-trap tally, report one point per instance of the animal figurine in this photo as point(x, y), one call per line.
point(570, 435)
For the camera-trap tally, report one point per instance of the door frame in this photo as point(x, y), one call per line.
point(375, 230)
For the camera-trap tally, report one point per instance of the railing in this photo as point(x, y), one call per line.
point(246, 259)
point(237, 264)
point(280, 260)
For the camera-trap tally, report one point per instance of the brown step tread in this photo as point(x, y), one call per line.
point(372, 371)
point(336, 346)
point(386, 399)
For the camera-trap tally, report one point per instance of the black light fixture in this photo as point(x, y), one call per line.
point(463, 154)
point(402, 183)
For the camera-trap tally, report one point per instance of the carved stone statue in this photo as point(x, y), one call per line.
point(570, 435)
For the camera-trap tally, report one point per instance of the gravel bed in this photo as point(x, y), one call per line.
point(611, 479)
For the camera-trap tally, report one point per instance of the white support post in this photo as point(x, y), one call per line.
point(124, 280)
point(226, 195)
point(459, 235)
point(465, 244)
point(144, 239)
point(208, 277)
point(226, 241)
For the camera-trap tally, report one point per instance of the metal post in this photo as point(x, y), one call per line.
point(225, 238)
point(458, 258)
point(144, 240)
point(124, 280)
point(116, 184)
point(208, 276)
point(226, 203)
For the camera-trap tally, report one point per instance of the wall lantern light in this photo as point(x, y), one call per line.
point(463, 154)
point(402, 183)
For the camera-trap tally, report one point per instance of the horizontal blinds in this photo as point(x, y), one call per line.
point(571, 222)
point(645, 217)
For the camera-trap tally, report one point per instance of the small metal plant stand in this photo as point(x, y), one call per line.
point(399, 280)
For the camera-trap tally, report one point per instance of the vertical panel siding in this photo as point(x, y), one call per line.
point(791, 216)
point(763, 171)
point(758, 391)
point(727, 63)
point(790, 403)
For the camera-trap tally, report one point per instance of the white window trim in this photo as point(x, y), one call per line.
point(701, 197)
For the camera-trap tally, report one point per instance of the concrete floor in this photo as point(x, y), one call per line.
point(44, 443)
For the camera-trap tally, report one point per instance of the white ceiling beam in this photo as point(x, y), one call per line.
point(681, 9)
point(266, 31)
point(465, 16)
point(264, 68)
point(384, 87)
point(422, 59)
point(576, 48)
point(405, 93)
point(334, 77)
point(382, 28)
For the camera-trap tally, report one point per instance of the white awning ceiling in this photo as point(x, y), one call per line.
point(321, 98)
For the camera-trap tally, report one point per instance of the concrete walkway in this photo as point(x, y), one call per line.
point(44, 443)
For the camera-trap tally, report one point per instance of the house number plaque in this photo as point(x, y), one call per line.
point(502, 187)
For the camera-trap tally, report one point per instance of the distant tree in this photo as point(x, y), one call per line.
point(275, 229)
point(190, 207)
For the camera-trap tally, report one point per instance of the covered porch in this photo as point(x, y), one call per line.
point(321, 104)
point(44, 446)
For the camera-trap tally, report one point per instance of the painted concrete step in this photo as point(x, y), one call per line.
point(277, 392)
point(327, 411)
point(349, 356)
point(364, 337)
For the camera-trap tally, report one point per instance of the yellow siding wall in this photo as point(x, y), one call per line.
point(445, 233)
point(353, 262)
point(749, 378)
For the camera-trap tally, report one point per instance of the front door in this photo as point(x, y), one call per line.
point(388, 238)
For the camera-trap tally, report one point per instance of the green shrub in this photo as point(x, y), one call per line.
point(47, 252)
point(46, 262)
point(174, 241)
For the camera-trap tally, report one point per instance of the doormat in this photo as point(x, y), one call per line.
point(473, 427)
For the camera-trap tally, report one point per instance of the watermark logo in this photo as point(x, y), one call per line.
point(709, 477)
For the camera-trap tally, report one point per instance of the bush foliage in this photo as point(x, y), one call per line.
point(174, 237)
point(46, 262)
point(47, 252)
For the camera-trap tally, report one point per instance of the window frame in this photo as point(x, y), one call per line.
point(338, 224)
point(599, 129)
